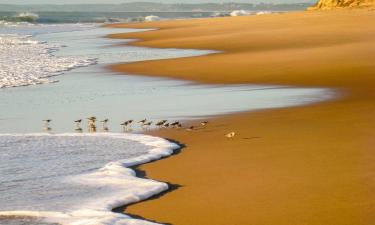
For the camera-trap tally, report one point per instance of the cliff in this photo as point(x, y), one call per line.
point(332, 4)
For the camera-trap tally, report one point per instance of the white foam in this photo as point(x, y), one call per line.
point(152, 18)
point(239, 13)
point(27, 62)
point(264, 12)
point(116, 179)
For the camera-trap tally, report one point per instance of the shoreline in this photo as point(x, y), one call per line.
point(317, 171)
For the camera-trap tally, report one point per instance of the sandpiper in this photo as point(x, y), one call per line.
point(129, 122)
point(104, 125)
point(91, 124)
point(230, 135)
point(46, 122)
point(160, 123)
point(78, 123)
point(92, 118)
point(104, 121)
point(190, 128)
point(142, 121)
point(148, 123)
point(175, 124)
point(204, 123)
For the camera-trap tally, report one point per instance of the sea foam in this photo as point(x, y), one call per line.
point(26, 62)
point(115, 184)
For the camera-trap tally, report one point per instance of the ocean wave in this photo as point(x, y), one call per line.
point(116, 184)
point(27, 62)
point(26, 17)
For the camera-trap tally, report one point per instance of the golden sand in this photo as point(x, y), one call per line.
point(303, 165)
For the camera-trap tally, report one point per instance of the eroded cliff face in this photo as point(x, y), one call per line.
point(332, 4)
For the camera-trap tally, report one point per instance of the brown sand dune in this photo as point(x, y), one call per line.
point(303, 165)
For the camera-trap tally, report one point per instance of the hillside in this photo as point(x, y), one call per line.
point(332, 4)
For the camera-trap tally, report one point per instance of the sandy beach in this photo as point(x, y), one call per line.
point(303, 165)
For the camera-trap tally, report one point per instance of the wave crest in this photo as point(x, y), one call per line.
point(26, 17)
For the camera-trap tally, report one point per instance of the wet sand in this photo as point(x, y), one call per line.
point(312, 164)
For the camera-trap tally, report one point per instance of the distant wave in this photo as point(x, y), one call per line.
point(21, 17)
point(26, 17)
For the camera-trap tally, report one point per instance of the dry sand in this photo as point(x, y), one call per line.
point(303, 165)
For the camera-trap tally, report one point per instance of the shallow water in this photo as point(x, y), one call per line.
point(95, 91)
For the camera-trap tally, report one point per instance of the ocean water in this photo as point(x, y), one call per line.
point(93, 17)
point(58, 72)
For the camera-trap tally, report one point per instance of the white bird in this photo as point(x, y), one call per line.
point(230, 135)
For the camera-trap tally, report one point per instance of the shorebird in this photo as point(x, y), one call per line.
point(126, 124)
point(46, 122)
point(174, 124)
point(129, 122)
point(204, 123)
point(230, 135)
point(148, 123)
point(78, 123)
point(166, 125)
point(160, 123)
point(104, 121)
point(91, 124)
point(92, 118)
point(46, 127)
point(104, 125)
point(142, 121)
point(190, 128)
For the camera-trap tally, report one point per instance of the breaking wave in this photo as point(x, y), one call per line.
point(24, 61)
point(69, 169)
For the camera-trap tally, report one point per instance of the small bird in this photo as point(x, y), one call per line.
point(130, 122)
point(92, 118)
point(174, 124)
point(147, 124)
point(190, 128)
point(78, 122)
point(230, 135)
point(160, 123)
point(204, 123)
point(46, 124)
point(104, 121)
point(47, 121)
point(126, 123)
point(166, 125)
point(142, 121)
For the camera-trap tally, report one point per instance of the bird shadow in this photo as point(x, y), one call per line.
point(250, 138)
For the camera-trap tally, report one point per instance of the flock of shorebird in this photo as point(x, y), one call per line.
point(126, 125)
